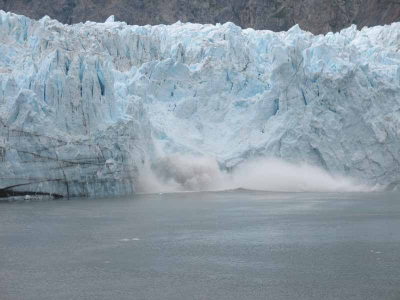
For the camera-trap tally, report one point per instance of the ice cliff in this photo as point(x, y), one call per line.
point(83, 107)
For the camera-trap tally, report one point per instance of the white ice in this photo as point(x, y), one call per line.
point(85, 107)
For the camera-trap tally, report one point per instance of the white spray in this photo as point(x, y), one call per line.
point(178, 173)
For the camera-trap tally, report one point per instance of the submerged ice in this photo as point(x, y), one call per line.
point(88, 109)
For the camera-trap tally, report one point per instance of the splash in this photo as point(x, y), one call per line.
point(280, 176)
point(178, 173)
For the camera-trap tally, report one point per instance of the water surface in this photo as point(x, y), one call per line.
point(227, 245)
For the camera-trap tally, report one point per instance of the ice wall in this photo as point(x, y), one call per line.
point(64, 129)
point(82, 107)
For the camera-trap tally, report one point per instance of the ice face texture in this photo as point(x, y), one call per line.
point(84, 106)
point(66, 126)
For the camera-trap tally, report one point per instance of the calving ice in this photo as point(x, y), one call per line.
point(87, 109)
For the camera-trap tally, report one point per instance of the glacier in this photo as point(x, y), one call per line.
point(84, 107)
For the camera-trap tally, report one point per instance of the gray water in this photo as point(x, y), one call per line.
point(228, 245)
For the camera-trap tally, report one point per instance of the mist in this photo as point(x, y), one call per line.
point(183, 173)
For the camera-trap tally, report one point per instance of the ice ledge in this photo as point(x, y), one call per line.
point(110, 19)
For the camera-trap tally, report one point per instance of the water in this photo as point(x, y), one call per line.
point(227, 245)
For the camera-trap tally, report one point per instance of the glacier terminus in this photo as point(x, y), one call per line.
point(85, 107)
